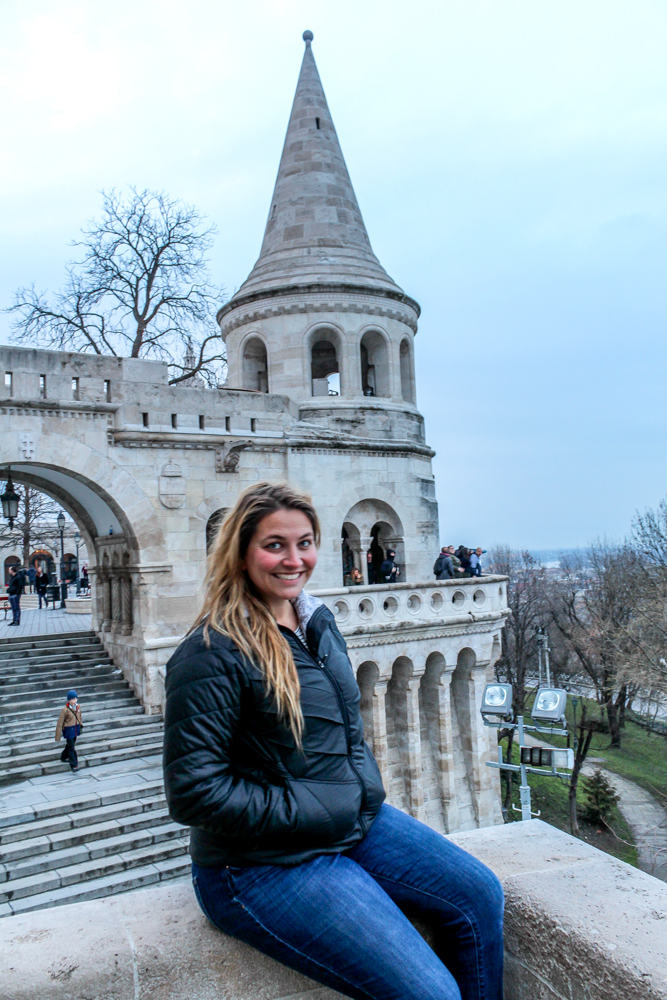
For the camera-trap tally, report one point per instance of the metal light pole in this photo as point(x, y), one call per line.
point(77, 542)
point(63, 583)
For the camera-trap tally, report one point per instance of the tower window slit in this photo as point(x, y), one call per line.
point(317, 123)
point(144, 419)
point(201, 422)
point(174, 420)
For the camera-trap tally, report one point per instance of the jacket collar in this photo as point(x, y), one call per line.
point(305, 606)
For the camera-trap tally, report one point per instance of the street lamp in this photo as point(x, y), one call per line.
point(77, 542)
point(10, 501)
point(63, 584)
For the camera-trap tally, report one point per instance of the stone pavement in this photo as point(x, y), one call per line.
point(46, 621)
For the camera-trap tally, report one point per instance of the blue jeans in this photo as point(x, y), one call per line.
point(15, 604)
point(342, 919)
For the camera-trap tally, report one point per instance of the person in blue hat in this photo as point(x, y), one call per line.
point(70, 727)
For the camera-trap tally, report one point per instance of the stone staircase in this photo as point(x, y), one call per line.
point(83, 845)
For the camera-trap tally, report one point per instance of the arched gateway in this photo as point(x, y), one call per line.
point(320, 392)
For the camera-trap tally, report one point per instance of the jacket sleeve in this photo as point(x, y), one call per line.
point(59, 727)
point(205, 691)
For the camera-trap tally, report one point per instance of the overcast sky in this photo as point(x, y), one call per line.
point(510, 163)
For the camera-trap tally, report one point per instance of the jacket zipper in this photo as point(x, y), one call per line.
point(346, 720)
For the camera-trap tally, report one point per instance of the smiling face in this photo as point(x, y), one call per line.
point(281, 557)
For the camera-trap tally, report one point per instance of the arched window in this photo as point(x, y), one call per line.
point(255, 369)
point(407, 373)
point(324, 368)
point(10, 561)
point(212, 525)
point(374, 365)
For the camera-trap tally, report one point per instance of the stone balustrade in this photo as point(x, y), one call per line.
point(579, 925)
point(407, 605)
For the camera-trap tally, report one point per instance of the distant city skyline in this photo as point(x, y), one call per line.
point(509, 164)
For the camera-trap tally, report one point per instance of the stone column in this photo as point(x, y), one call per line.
point(106, 601)
point(126, 604)
point(365, 543)
point(445, 750)
point(413, 747)
point(379, 710)
point(486, 779)
point(116, 609)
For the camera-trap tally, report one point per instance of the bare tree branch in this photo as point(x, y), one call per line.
point(141, 289)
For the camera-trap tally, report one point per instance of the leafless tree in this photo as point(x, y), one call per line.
point(141, 290)
point(594, 605)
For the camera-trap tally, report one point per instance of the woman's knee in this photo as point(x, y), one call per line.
point(487, 894)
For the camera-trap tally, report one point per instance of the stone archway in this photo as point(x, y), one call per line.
point(375, 527)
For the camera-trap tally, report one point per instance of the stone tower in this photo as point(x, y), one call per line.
point(320, 321)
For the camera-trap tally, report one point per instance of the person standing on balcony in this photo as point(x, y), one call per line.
point(70, 727)
point(476, 561)
point(15, 588)
point(293, 848)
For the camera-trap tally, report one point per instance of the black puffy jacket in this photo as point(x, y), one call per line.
point(232, 770)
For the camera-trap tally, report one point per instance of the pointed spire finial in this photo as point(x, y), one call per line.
point(307, 37)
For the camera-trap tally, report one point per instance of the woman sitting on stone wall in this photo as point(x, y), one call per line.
point(293, 849)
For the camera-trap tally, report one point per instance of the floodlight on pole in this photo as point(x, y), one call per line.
point(549, 704)
point(496, 711)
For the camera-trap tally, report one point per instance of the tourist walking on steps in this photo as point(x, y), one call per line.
point(70, 727)
point(15, 588)
point(41, 583)
point(293, 849)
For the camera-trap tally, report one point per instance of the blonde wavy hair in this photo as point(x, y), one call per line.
point(232, 605)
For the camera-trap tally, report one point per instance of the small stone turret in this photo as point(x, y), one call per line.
point(318, 316)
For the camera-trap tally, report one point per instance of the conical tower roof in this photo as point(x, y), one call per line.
point(315, 235)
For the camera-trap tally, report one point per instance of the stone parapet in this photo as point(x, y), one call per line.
point(580, 925)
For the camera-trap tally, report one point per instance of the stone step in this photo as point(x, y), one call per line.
point(56, 660)
point(54, 704)
point(56, 682)
point(133, 788)
point(175, 867)
point(46, 732)
point(88, 873)
point(35, 641)
point(47, 744)
point(30, 670)
point(85, 748)
point(54, 692)
point(40, 835)
point(37, 653)
point(46, 719)
point(91, 851)
point(27, 771)
point(56, 688)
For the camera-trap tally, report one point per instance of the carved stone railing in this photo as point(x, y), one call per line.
point(579, 925)
point(416, 605)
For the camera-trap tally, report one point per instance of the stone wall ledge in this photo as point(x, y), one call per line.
point(580, 926)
